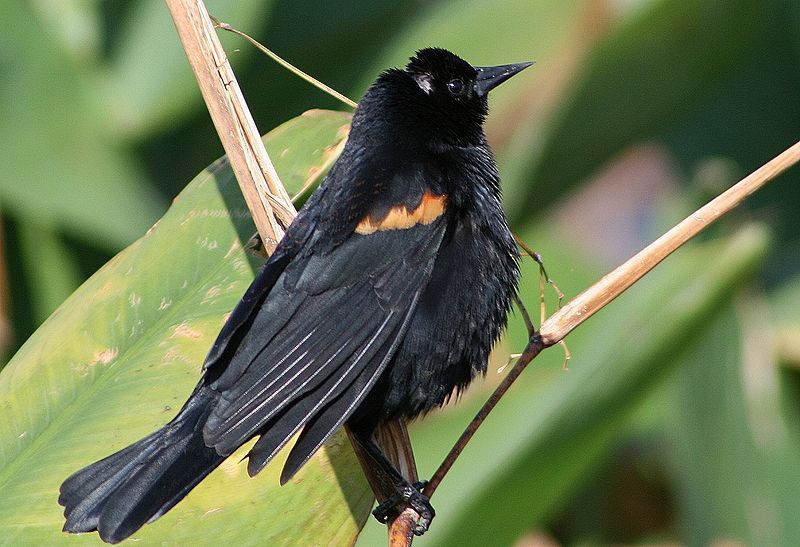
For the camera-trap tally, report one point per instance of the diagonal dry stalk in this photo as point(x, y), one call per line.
point(269, 204)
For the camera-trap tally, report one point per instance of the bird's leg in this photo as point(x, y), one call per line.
point(404, 493)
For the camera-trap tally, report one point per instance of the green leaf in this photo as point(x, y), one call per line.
point(75, 24)
point(321, 134)
point(734, 447)
point(482, 33)
point(51, 270)
point(120, 356)
point(784, 303)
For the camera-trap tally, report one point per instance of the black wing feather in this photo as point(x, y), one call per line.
point(325, 422)
point(289, 368)
point(242, 314)
point(276, 435)
point(339, 318)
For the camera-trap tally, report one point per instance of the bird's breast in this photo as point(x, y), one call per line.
point(460, 315)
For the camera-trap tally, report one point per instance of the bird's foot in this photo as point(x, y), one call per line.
point(408, 495)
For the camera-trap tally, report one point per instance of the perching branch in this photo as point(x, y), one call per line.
point(613, 284)
point(586, 304)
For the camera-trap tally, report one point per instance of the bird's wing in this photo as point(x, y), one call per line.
point(242, 316)
point(321, 337)
point(244, 312)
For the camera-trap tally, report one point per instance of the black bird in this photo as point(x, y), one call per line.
point(382, 300)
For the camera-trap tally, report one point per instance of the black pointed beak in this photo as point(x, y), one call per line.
point(490, 77)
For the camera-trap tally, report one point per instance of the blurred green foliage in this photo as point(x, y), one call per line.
point(679, 417)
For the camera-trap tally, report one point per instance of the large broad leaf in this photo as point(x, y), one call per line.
point(120, 356)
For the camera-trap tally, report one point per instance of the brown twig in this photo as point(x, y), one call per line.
point(285, 64)
point(583, 306)
point(614, 283)
point(534, 347)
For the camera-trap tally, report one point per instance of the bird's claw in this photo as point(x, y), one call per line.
point(409, 495)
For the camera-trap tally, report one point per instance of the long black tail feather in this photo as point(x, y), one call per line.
point(119, 494)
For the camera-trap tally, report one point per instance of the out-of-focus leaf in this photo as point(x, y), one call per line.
point(751, 116)
point(784, 306)
point(52, 273)
point(150, 78)
point(120, 356)
point(785, 302)
point(75, 23)
point(733, 448)
point(552, 426)
point(61, 169)
point(472, 30)
point(795, 21)
point(637, 81)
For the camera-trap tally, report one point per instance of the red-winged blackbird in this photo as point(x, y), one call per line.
point(383, 299)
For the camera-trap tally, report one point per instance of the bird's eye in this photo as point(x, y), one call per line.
point(455, 87)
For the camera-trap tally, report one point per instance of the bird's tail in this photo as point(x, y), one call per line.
point(119, 494)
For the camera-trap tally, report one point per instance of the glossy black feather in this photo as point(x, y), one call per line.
point(333, 330)
point(343, 324)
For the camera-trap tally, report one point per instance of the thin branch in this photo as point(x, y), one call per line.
point(604, 291)
point(534, 347)
point(613, 284)
point(526, 317)
point(286, 64)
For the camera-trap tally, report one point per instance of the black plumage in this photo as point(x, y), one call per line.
point(382, 300)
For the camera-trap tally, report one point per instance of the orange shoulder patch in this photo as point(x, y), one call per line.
point(429, 209)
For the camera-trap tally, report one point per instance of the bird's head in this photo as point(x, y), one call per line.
point(439, 94)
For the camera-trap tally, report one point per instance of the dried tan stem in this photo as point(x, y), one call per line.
point(583, 306)
point(266, 197)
